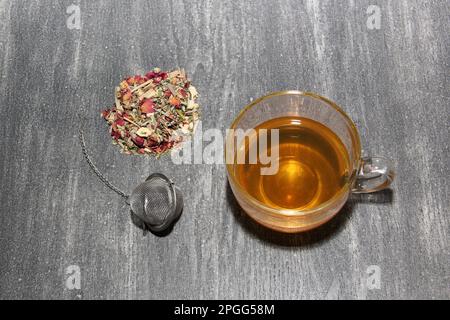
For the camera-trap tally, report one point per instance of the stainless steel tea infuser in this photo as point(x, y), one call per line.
point(157, 202)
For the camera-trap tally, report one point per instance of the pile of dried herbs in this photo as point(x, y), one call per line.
point(153, 113)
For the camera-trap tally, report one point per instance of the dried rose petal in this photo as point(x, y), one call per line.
point(150, 75)
point(120, 122)
point(150, 142)
point(115, 134)
point(131, 80)
point(157, 79)
point(139, 141)
point(183, 93)
point(139, 79)
point(148, 106)
point(105, 113)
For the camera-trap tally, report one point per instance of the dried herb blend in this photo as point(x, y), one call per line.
point(153, 113)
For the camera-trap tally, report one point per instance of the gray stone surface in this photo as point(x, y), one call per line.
point(394, 82)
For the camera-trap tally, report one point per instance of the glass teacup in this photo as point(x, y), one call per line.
point(368, 174)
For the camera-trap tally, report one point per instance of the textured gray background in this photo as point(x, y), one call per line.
point(394, 82)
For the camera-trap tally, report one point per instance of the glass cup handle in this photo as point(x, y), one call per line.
point(375, 173)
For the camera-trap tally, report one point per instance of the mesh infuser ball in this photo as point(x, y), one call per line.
point(156, 201)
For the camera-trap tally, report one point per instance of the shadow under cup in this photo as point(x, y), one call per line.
point(365, 175)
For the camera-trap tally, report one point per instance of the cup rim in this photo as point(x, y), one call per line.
point(329, 202)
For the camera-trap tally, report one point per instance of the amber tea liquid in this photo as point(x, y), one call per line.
point(313, 165)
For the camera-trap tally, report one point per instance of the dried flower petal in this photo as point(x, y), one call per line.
point(139, 141)
point(150, 75)
point(105, 113)
point(126, 96)
point(174, 101)
point(144, 132)
point(115, 134)
point(193, 92)
point(183, 93)
point(120, 122)
point(148, 106)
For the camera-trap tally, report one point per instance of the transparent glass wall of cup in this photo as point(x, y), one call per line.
point(365, 175)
